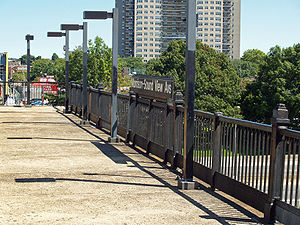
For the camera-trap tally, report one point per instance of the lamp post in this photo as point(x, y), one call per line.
point(103, 15)
point(187, 182)
point(28, 38)
point(66, 34)
point(76, 27)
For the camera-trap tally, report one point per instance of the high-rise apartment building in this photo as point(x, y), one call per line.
point(147, 26)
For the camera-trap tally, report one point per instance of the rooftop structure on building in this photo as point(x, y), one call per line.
point(147, 26)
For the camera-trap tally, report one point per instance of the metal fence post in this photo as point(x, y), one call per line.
point(84, 77)
point(114, 79)
point(100, 89)
point(216, 163)
point(280, 121)
point(28, 74)
point(188, 172)
point(149, 131)
point(178, 101)
point(71, 97)
point(167, 131)
point(130, 115)
point(89, 103)
point(67, 74)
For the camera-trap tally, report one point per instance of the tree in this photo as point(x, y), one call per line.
point(19, 76)
point(99, 63)
point(54, 57)
point(23, 59)
point(278, 81)
point(59, 70)
point(254, 55)
point(41, 68)
point(245, 69)
point(217, 86)
point(135, 64)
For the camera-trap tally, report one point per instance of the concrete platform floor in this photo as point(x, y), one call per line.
point(53, 171)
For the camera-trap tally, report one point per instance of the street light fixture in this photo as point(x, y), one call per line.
point(56, 34)
point(66, 34)
point(76, 27)
point(28, 38)
point(102, 15)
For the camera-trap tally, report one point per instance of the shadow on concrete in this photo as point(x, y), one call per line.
point(78, 125)
point(119, 157)
point(47, 180)
point(38, 122)
point(114, 175)
point(34, 180)
point(113, 153)
point(44, 138)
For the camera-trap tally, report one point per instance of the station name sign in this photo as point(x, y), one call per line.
point(153, 87)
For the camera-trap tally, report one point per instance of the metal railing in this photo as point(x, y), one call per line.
point(256, 163)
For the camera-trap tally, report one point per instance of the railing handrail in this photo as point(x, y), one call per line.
point(247, 123)
point(230, 154)
point(290, 133)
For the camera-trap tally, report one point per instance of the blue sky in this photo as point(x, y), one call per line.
point(264, 24)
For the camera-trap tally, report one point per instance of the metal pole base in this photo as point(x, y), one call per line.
point(113, 139)
point(186, 184)
point(66, 111)
point(84, 123)
point(28, 106)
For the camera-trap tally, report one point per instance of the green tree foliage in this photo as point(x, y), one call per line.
point(99, 63)
point(54, 57)
point(135, 64)
point(59, 70)
point(254, 55)
point(23, 59)
point(19, 76)
point(217, 86)
point(245, 69)
point(42, 68)
point(278, 81)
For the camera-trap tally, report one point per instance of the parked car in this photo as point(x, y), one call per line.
point(36, 101)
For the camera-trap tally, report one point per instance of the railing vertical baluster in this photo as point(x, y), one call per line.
point(250, 156)
point(293, 171)
point(222, 146)
point(149, 125)
point(297, 203)
point(262, 161)
point(206, 142)
point(254, 157)
point(288, 167)
point(267, 162)
point(239, 164)
point(216, 148)
point(234, 149)
point(166, 129)
point(130, 116)
point(259, 164)
point(227, 147)
point(178, 101)
point(211, 142)
point(197, 141)
point(280, 121)
point(243, 136)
